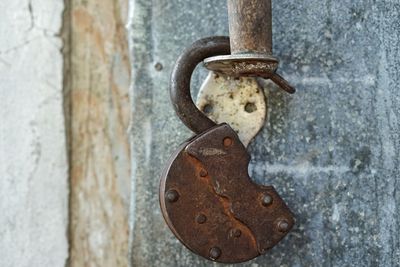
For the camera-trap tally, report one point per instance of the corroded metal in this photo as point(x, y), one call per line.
point(211, 205)
point(181, 99)
point(250, 29)
point(206, 195)
point(250, 26)
point(243, 91)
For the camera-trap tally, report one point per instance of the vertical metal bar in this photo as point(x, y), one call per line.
point(250, 26)
point(250, 30)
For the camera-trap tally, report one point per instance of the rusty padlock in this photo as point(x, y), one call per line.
point(206, 195)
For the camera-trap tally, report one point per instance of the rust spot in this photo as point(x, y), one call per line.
point(227, 141)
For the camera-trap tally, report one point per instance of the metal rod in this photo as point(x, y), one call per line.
point(250, 26)
point(250, 29)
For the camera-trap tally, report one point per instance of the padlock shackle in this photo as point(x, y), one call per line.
point(181, 75)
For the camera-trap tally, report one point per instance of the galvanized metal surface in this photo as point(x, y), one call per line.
point(238, 102)
point(331, 150)
point(211, 204)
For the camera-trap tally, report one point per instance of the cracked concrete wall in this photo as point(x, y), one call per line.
point(331, 150)
point(33, 156)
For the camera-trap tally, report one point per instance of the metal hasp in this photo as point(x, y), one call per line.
point(211, 205)
point(250, 29)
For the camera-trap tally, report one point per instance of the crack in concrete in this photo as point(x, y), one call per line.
point(31, 14)
point(18, 46)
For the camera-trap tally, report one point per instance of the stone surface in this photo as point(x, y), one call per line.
point(331, 150)
point(33, 153)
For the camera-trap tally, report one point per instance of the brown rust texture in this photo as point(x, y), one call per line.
point(198, 198)
point(99, 116)
point(250, 26)
point(211, 204)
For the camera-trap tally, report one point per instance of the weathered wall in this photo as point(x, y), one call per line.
point(33, 156)
point(97, 87)
point(331, 150)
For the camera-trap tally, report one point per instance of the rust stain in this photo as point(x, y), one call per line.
point(99, 147)
point(82, 19)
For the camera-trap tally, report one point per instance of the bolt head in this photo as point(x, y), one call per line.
point(215, 253)
point(267, 200)
point(158, 66)
point(201, 218)
point(172, 196)
point(283, 226)
point(228, 141)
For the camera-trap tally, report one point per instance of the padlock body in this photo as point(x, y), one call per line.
point(211, 204)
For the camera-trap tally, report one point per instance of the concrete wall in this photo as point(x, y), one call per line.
point(331, 150)
point(33, 154)
point(71, 54)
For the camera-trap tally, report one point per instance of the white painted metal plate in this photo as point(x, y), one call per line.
point(239, 102)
